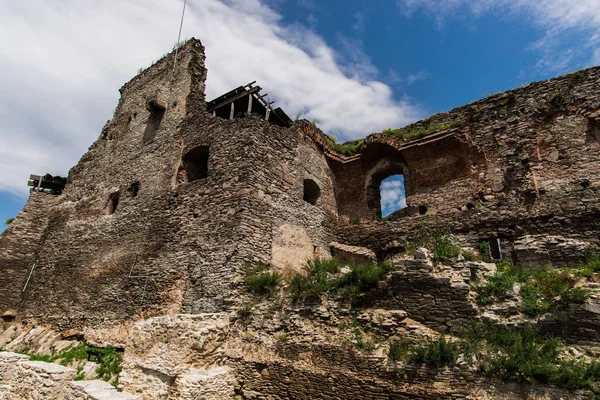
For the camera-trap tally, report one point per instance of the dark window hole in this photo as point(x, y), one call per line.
point(133, 189)
point(195, 163)
point(113, 202)
point(312, 191)
point(495, 249)
point(422, 210)
point(154, 120)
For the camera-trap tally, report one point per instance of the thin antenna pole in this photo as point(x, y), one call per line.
point(179, 36)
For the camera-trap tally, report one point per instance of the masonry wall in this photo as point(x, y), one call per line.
point(136, 233)
point(526, 161)
point(20, 247)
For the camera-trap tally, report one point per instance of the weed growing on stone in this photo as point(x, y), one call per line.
point(557, 102)
point(484, 248)
point(400, 350)
point(281, 338)
point(110, 365)
point(438, 241)
point(80, 374)
point(417, 132)
point(347, 149)
point(352, 286)
point(361, 342)
point(109, 360)
point(436, 353)
point(524, 355)
point(244, 313)
point(520, 354)
point(260, 280)
point(543, 288)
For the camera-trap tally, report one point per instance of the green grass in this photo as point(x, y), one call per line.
point(438, 241)
point(353, 286)
point(260, 280)
point(8, 221)
point(400, 350)
point(361, 342)
point(437, 353)
point(484, 248)
point(110, 365)
point(520, 354)
point(557, 102)
point(417, 132)
point(349, 149)
point(109, 362)
point(543, 288)
point(524, 355)
point(244, 313)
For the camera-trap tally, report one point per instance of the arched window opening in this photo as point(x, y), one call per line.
point(195, 163)
point(393, 195)
point(312, 191)
point(113, 202)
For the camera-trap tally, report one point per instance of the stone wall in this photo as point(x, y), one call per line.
point(139, 234)
point(37, 380)
point(20, 245)
point(520, 165)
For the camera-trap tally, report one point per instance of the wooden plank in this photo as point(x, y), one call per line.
point(234, 98)
point(249, 104)
point(231, 111)
point(268, 110)
point(34, 177)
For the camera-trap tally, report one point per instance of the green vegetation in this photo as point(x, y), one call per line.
point(260, 280)
point(437, 353)
point(109, 360)
point(348, 149)
point(484, 248)
point(281, 338)
point(509, 100)
point(577, 75)
point(511, 354)
point(524, 355)
point(438, 241)
point(361, 342)
point(543, 288)
point(8, 221)
point(244, 313)
point(557, 102)
point(352, 286)
point(417, 132)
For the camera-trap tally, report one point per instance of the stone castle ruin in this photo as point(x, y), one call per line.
point(150, 239)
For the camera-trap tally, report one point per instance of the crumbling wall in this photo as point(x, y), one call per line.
point(524, 163)
point(20, 245)
point(168, 207)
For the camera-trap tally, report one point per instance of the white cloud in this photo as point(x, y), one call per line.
point(62, 63)
point(392, 195)
point(419, 76)
point(559, 20)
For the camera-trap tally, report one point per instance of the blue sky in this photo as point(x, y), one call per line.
point(356, 66)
